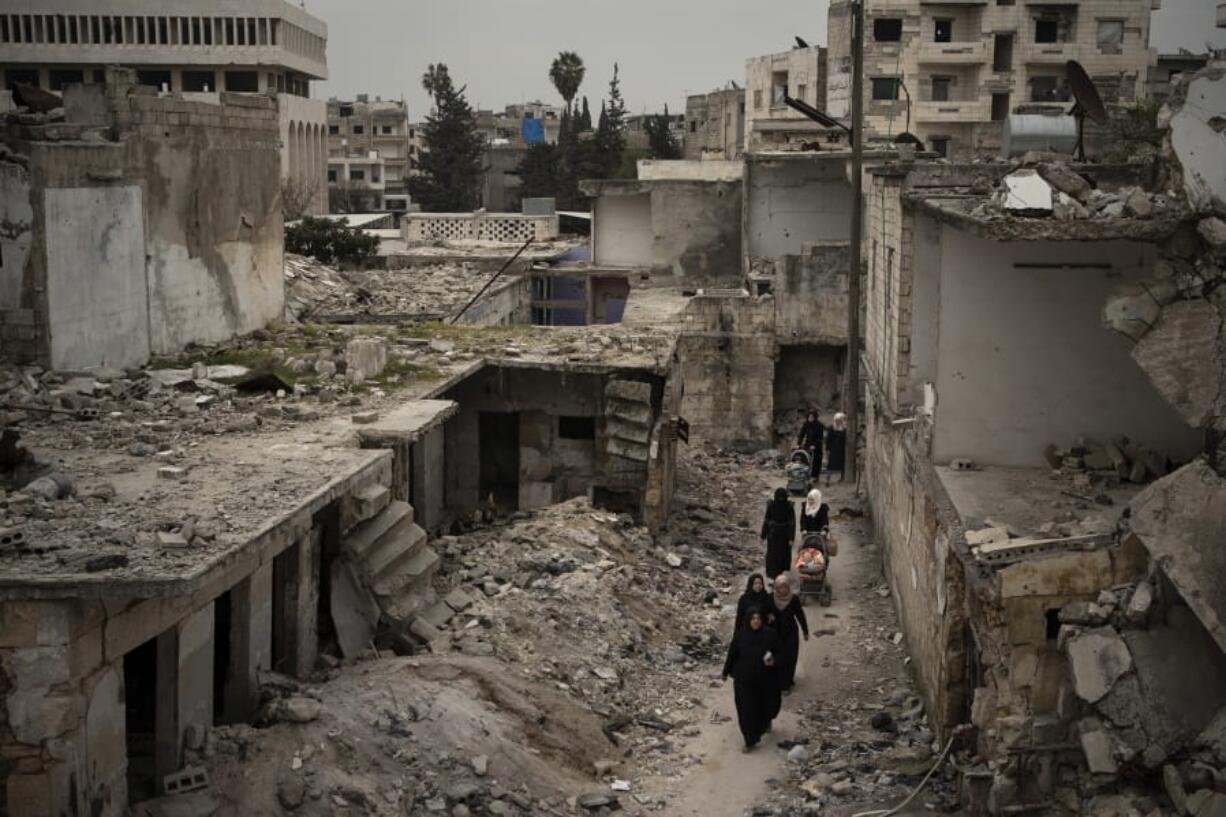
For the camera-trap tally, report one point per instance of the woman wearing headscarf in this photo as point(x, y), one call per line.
point(755, 597)
point(778, 532)
point(814, 514)
point(790, 622)
point(811, 440)
point(752, 656)
point(836, 446)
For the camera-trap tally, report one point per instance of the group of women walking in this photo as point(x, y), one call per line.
point(770, 623)
point(763, 653)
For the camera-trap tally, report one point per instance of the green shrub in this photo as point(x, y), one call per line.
point(331, 241)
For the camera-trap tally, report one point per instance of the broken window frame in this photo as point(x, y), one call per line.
point(887, 29)
point(1114, 42)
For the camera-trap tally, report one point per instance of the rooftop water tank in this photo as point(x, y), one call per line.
point(1035, 131)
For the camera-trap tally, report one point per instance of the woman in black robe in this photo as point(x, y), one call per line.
point(778, 532)
point(751, 659)
point(836, 446)
point(755, 597)
point(790, 622)
point(814, 514)
point(811, 440)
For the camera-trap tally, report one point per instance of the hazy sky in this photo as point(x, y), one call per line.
point(667, 48)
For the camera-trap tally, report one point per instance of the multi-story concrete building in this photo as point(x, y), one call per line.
point(1170, 69)
point(507, 126)
point(193, 47)
point(636, 128)
point(715, 124)
point(952, 72)
point(800, 74)
point(370, 154)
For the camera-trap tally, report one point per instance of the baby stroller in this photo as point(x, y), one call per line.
point(813, 566)
point(797, 471)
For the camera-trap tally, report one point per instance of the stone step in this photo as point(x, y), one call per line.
point(406, 608)
point(391, 551)
point(413, 573)
point(391, 522)
point(371, 500)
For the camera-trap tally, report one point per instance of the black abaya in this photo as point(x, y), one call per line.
point(751, 600)
point(779, 529)
point(755, 689)
point(836, 448)
point(789, 623)
point(810, 439)
point(815, 523)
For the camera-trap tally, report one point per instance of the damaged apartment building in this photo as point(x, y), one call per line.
point(148, 586)
point(1043, 368)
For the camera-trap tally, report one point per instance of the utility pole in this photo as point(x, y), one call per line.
point(852, 388)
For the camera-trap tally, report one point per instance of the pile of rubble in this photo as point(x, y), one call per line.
point(1048, 187)
point(420, 293)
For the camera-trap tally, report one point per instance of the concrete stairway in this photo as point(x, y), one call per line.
point(391, 552)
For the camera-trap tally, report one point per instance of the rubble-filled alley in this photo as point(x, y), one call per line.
point(460, 508)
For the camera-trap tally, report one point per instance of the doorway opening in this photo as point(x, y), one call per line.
point(140, 672)
point(223, 656)
point(807, 378)
point(498, 442)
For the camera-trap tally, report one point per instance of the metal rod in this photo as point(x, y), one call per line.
point(491, 281)
point(851, 393)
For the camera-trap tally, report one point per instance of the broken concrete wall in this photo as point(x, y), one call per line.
point(172, 206)
point(791, 201)
point(1021, 342)
point(806, 377)
point(507, 303)
point(686, 230)
point(919, 531)
point(810, 292)
point(727, 351)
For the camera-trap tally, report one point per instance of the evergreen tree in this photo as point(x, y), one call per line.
point(660, 139)
point(611, 135)
point(538, 171)
point(452, 162)
point(585, 118)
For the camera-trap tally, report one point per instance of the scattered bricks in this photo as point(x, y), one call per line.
point(11, 538)
point(191, 778)
point(365, 417)
point(172, 472)
point(171, 540)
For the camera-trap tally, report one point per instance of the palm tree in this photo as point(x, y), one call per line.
point(567, 73)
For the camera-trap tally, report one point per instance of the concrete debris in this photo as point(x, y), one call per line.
point(1096, 744)
point(1098, 658)
point(1066, 180)
point(1196, 139)
point(1213, 231)
point(1026, 193)
point(293, 710)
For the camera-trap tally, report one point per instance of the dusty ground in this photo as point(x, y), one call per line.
point(583, 679)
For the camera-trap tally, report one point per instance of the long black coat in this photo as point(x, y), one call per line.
point(750, 600)
point(755, 688)
point(836, 447)
point(789, 623)
point(779, 531)
point(816, 522)
point(810, 439)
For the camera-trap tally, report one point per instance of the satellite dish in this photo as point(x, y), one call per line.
point(800, 43)
point(820, 117)
point(1088, 104)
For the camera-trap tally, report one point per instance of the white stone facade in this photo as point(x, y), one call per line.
point(965, 66)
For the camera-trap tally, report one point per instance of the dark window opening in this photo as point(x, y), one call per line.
point(1002, 53)
point(1052, 628)
point(140, 694)
point(577, 428)
point(223, 623)
point(243, 82)
point(346, 111)
point(358, 130)
point(940, 146)
point(332, 175)
point(357, 175)
point(498, 447)
point(940, 88)
point(387, 130)
point(334, 130)
point(779, 87)
point(199, 81)
point(1000, 107)
point(887, 29)
point(1046, 30)
point(22, 75)
point(62, 77)
point(157, 79)
point(1048, 89)
point(885, 88)
point(943, 30)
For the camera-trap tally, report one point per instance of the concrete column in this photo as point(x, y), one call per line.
point(167, 738)
point(195, 681)
point(308, 602)
point(250, 643)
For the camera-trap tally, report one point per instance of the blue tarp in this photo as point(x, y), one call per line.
point(533, 132)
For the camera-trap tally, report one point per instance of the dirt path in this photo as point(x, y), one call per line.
point(725, 781)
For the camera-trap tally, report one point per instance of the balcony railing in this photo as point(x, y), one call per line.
point(960, 53)
point(1049, 52)
point(973, 110)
